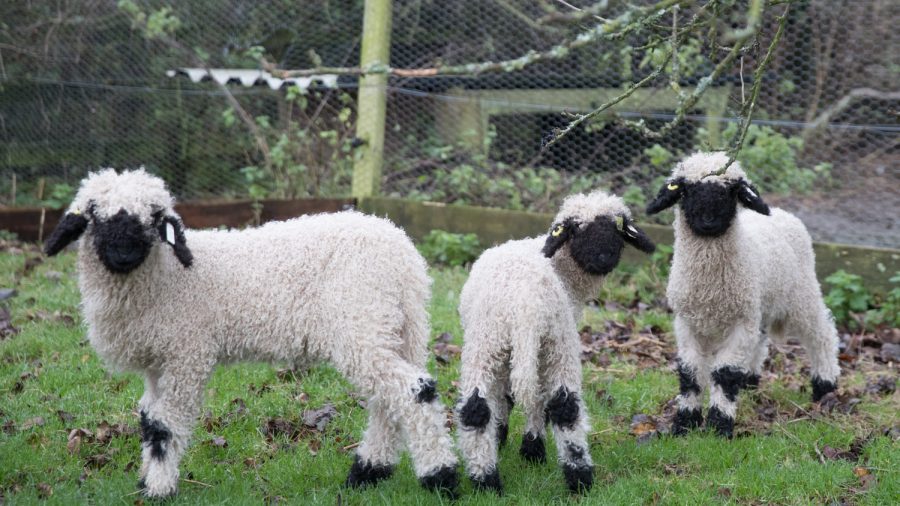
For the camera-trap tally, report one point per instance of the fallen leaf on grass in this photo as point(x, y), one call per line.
point(219, 441)
point(76, 437)
point(724, 492)
point(98, 461)
point(65, 417)
point(644, 427)
point(445, 352)
point(43, 490)
point(32, 422)
point(6, 327)
point(319, 418)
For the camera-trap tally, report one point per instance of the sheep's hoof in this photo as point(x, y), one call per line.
point(445, 480)
point(166, 493)
point(489, 481)
point(685, 420)
point(821, 388)
point(532, 448)
point(365, 474)
point(502, 434)
point(579, 479)
point(720, 422)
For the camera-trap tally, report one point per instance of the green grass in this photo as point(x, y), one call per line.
point(49, 367)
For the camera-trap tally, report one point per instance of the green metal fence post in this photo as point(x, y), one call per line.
point(372, 98)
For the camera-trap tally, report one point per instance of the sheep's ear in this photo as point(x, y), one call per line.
point(69, 228)
point(635, 236)
point(171, 231)
point(668, 195)
point(748, 195)
point(559, 234)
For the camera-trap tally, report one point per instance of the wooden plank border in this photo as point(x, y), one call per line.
point(492, 226)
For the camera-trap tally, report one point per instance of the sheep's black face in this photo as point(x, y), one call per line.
point(709, 208)
point(121, 242)
point(597, 247)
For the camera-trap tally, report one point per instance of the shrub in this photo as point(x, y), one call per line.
point(853, 305)
point(446, 248)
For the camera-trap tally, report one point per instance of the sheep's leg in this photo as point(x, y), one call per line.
point(377, 455)
point(756, 362)
point(569, 420)
point(167, 423)
point(817, 333)
point(690, 363)
point(730, 372)
point(525, 381)
point(410, 397)
point(503, 399)
point(151, 394)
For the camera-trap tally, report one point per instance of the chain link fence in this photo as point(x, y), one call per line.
point(81, 87)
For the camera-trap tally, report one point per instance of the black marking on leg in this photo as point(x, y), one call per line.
point(489, 481)
point(142, 484)
point(753, 381)
point(427, 390)
point(532, 448)
point(687, 379)
point(685, 420)
point(563, 408)
point(821, 388)
point(722, 423)
point(363, 474)
point(730, 379)
point(475, 413)
point(444, 480)
point(155, 435)
point(579, 478)
point(502, 434)
point(510, 402)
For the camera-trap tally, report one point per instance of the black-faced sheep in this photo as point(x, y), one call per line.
point(172, 303)
point(738, 273)
point(520, 309)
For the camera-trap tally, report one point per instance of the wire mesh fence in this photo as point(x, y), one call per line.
point(83, 88)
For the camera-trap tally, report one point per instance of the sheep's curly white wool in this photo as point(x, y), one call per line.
point(345, 288)
point(730, 291)
point(519, 310)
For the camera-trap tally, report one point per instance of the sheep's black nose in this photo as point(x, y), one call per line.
point(708, 218)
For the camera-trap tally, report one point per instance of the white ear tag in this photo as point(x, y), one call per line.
point(170, 234)
point(632, 231)
point(750, 192)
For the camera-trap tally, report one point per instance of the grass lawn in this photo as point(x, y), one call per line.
point(69, 429)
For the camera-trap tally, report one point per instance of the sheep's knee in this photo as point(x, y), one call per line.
point(475, 413)
point(727, 382)
point(155, 436)
point(159, 471)
point(563, 408)
point(426, 390)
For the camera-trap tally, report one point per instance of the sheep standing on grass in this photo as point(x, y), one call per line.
point(737, 275)
point(520, 309)
point(172, 303)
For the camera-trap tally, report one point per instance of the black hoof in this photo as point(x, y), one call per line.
point(365, 474)
point(752, 382)
point(579, 479)
point(532, 448)
point(821, 388)
point(502, 434)
point(685, 420)
point(445, 480)
point(720, 422)
point(490, 482)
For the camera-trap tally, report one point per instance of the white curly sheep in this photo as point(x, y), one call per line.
point(738, 273)
point(171, 303)
point(520, 309)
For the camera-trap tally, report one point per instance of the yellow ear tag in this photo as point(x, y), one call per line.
point(672, 186)
point(76, 212)
point(557, 231)
point(620, 223)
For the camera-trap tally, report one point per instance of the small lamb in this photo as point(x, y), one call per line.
point(520, 309)
point(172, 303)
point(738, 274)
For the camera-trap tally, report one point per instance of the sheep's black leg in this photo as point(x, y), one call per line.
point(478, 440)
point(727, 382)
point(568, 417)
point(689, 415)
